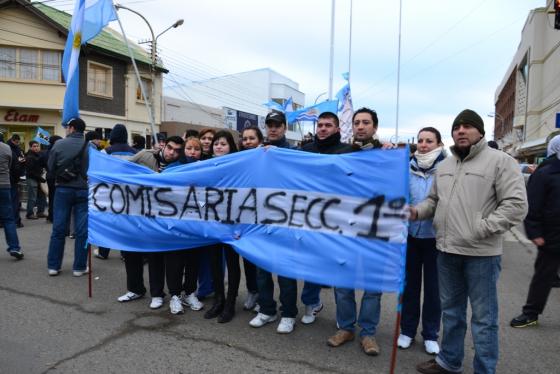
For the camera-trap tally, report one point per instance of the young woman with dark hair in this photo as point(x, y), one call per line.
point(224, 307)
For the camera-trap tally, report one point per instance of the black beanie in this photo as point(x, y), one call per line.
point(119, 135)
point(469, 117)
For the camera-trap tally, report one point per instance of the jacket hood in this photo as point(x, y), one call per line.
point(119, 134)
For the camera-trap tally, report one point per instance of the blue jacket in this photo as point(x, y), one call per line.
point(420, 185)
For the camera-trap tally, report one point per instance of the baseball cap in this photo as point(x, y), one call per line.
point(275, 116)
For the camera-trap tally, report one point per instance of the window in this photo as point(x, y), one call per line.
point(100, 80)
point(147, 89)
point(29, 64)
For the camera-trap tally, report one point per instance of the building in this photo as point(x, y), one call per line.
point(32, 40)
point(231, 101)
point(528, 98)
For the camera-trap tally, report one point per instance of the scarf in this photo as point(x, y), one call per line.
point(426, 160)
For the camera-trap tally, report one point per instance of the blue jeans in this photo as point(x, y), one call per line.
point(370, 310)
point(474, 278)
point(421, 259)
point(310, 294)
point(7, 219)
point(35, 197)
point(64, 200)
point(14, 192)
point(288, 294)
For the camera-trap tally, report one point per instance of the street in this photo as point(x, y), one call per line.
point(48, 324)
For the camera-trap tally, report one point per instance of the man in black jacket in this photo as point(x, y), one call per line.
point(68, 161)
point(34, 177)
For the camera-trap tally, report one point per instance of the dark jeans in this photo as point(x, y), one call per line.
point(288, 294)
point(7, 219)
point(181, 271)
point(134, 265)
point(205, 284)
point(104, 252)
point(421, 257)
point(65, 200)
point(15, 203)
point(233, 269)
point(546, 270)
point(250, 276)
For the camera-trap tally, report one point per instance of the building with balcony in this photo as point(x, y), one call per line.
point(32, 40)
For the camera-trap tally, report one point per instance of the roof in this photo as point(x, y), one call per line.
point(107, 40)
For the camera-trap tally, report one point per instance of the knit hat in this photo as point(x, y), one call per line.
point(469, 117)
point(119, 135)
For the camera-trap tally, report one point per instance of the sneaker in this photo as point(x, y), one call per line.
point(17, 254)
point(431, 367)
point(192, 302)
point(79, 273)
point(175, 305)
point(156, 303)
point(262, 319)
point(286, 325)
point(53, 272)
point(524, 320)
point(251, 301)
point(431, 347)
point(341, 337)
point(129, 296)
point(311, 313)
point(369, 346)
point(404, 341)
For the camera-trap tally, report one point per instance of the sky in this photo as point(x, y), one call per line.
point(453, 54)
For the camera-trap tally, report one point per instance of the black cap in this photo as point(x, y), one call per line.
point(469, 117)
point(275, 116)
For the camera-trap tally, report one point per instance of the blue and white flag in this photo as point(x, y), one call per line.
point(271, 104)
point(345, 110)
point(338, 220)
point(89, 18)
point(288, 106)
point(42, 136)
point(311, 113)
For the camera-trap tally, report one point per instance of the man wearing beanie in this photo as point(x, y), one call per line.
point(477, 195)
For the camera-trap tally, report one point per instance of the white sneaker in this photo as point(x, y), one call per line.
point(192, 302)
point(311, 313)
point(175, 305)
point(404, 341)
point(262, 319)
point(257, 308)
point(251, 301)
point(53, 272)
point(286, 325)
point(129, 296)
point(79, 273)
point(431, 347)
point(156, 303)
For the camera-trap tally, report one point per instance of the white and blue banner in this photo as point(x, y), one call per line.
point(338, 220)
point(312, 113)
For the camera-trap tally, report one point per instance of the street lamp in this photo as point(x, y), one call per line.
point(499, 117)
point(153, 55)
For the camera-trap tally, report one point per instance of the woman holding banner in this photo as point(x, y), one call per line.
point(224, 307)
point(421, 252)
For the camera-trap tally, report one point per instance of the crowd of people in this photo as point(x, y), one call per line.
point(460, 205)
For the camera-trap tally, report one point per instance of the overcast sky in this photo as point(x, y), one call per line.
point(454, 54)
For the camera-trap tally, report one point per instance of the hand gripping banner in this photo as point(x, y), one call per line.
point(338, 220)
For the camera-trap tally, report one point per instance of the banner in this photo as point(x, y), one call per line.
point(345, 110)
point(338, 220)
point(42, 136)
point(312, 113)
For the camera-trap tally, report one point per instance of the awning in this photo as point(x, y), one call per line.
point(533, 146)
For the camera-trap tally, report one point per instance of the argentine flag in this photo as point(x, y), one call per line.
point(89, 18)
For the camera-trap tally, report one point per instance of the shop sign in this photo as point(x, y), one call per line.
point(14, 116)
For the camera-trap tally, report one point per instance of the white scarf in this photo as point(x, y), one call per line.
point(426, 160)
point(554, 147)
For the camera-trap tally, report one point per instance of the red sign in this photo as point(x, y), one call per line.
point(14, 116)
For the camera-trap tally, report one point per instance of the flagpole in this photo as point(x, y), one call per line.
point(398, 75)
point(143, 90)
point(350, 46)
point(331, 67)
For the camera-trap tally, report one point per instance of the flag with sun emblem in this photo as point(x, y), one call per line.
point(89, 18)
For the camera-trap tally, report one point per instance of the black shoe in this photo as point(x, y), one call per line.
point(216, 309)
point(524, 320)
point(556, 282)
point(19, 225)
point(17, 254)
point(228, 313)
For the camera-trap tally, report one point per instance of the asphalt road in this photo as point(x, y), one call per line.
point(49, 325)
